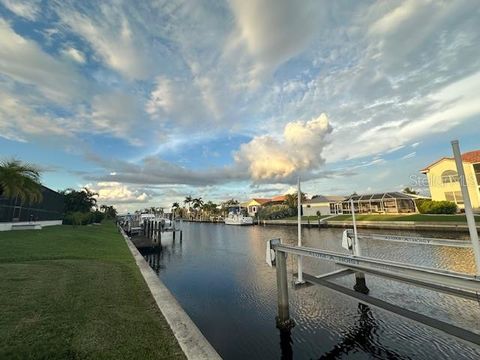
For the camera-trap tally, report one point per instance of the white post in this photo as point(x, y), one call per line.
point(468, 204)
point(299, 228)
point(360, 283)
point(356, 247)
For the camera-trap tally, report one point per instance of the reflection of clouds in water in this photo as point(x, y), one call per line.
point(220, 277)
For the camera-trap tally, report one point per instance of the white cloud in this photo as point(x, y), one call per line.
point(111, 192)
point(118, 114)
point(110, 33)
point(28, 9)
point(273, 31)
point(74, 54)
point(24, 61)
point(299, 150)
point(19, 120)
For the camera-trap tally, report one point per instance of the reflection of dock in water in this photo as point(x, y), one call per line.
point(157, 253)
point(362, 336)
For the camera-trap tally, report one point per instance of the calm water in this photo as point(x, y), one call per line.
point(219, 276)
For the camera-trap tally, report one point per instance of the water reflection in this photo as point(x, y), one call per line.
point(362, 336)
point(219, 276)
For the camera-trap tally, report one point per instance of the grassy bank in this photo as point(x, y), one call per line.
point(76, 293)
point(414, 217)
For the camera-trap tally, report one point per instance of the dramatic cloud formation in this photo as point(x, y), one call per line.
point(299, 150)
point(214, 97)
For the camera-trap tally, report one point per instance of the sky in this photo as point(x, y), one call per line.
point(147, 102)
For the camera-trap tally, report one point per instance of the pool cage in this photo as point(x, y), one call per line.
point(51, 207)
point(380, 203)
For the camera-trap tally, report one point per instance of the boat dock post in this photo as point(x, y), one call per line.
point(360, 283)
point(283, 319)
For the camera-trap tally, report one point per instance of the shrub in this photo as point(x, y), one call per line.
point(426, 206)
point(83, 218)
point(275, 212)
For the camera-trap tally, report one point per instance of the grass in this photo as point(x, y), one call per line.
point(76, 293)
point(413, 217)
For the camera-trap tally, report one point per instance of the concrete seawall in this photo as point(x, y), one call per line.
point(189, 337)
point(379, 225)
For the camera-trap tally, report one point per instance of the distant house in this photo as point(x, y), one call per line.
point(254, 205)
point(323, 205)
point(443, 179)
point(49, 211)
point(380, 203)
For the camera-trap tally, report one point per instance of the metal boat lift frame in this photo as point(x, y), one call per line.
point(453, 283)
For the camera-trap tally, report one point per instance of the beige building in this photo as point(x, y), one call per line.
point(323, 205)
point(443, 179)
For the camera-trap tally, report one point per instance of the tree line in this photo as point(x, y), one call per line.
point(21, 181)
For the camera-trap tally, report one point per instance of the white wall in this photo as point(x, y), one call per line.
point(5, 226)
point(324, 209)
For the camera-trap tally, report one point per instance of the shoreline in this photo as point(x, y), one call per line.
point(378, 225)
point(189, 337)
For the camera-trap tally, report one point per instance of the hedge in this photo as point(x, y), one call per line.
point(436, 207)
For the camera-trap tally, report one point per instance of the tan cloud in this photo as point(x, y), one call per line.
point(299, 150)
point(112, 192)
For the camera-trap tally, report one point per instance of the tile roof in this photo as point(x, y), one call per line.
point(472, 157)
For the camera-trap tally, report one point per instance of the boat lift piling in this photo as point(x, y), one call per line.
point(360, 282)
point(453, 283)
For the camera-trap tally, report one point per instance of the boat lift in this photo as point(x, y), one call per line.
point(453, 283)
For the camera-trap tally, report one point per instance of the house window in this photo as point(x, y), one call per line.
point(454, 196)
point(476, 168)
point(449, 176)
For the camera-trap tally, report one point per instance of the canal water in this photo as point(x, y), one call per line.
point(219, 276)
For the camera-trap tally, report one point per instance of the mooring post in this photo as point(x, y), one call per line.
point(283, 319)
point(360, 283)
point(472, 227)
point(181, 236)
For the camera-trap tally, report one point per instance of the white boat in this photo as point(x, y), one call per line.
point(235, 217)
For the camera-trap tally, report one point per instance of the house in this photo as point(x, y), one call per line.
point(323, 205)
point(380, 203)
point(254, 205)
point(443, 179)
point(49, 211)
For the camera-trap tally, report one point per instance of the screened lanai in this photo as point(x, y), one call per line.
point(381, 203)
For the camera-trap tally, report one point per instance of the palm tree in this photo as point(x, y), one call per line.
point(197, 205)
point(187, 201)
point(175, 207)
point(291, 200)
point(20, 181)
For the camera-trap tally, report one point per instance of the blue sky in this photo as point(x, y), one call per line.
point(147, 102)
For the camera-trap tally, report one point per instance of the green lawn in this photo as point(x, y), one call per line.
point(414, 217)
point(76, 293)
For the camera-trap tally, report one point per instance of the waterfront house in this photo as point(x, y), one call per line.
point(322, 204)
point(254, 205)
point(380, 203)
point(443, 179)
